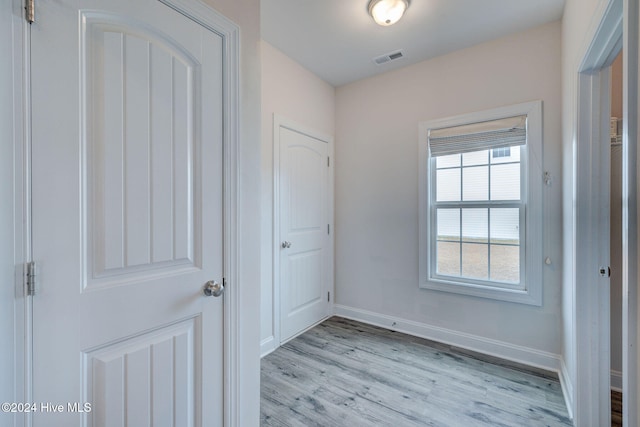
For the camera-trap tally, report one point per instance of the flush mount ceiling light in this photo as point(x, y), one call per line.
point(387, 12)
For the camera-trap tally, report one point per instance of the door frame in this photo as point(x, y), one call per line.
point(19, 34)
point(630, 212)
point(591, 174)
point(278, 122)
point(230, 34)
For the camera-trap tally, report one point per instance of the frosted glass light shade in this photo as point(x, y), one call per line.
point(387, 12)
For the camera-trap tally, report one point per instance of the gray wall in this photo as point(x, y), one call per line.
point(377, 184)
point(289, 90)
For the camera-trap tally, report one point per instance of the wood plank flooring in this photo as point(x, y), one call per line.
point(616, 409)
point(345, 373)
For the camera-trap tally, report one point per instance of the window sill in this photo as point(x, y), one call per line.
point(521, 296)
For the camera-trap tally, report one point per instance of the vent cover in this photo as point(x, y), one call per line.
point(383, 59)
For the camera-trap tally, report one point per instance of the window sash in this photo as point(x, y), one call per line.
point(465, 280)
point(484, 204)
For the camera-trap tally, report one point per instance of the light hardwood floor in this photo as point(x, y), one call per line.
point(616, 409)
point(345, 373)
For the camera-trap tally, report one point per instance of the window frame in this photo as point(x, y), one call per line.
point(529, 290)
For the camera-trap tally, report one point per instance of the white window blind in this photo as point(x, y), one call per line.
point(507, 132)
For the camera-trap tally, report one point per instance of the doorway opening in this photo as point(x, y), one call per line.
point(616, 240)
point(605, 233)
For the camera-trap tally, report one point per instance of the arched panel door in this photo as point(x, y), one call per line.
point(304, 234)
point(127, 215)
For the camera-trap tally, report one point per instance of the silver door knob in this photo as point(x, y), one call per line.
point(286, 244)
point(213, 289)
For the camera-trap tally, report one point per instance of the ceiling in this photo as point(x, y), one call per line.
point(337, 39)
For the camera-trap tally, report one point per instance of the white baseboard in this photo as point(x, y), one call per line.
point(503, 350)
point(302, 331)
point(268, 345)
point(616, 380)
point(567, 386)
point(525, 355)
point(515, 353)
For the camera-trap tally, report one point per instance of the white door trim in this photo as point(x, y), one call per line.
point(280, 121)
point(630, 212)
point(591, 195)
point(18, 34)
point(230, 33)
point(592, 291)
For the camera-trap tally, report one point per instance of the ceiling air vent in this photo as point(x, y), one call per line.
point(383, 59)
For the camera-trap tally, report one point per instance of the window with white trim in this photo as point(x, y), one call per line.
point(481, 204)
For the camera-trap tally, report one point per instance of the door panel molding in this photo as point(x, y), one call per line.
point(164, 354)
point(166, 241)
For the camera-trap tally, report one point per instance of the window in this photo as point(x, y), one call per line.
point(481, 205)
point(501, 152)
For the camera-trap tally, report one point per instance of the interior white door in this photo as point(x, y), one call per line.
point(304, 231)
point(127, 215)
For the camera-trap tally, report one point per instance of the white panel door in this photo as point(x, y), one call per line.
point(127, 215)
point(304, 233)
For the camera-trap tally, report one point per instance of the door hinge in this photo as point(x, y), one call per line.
point(328, 296)
point(328, 229)
point(328, 161)
point(30, 278)
point(30, 7)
